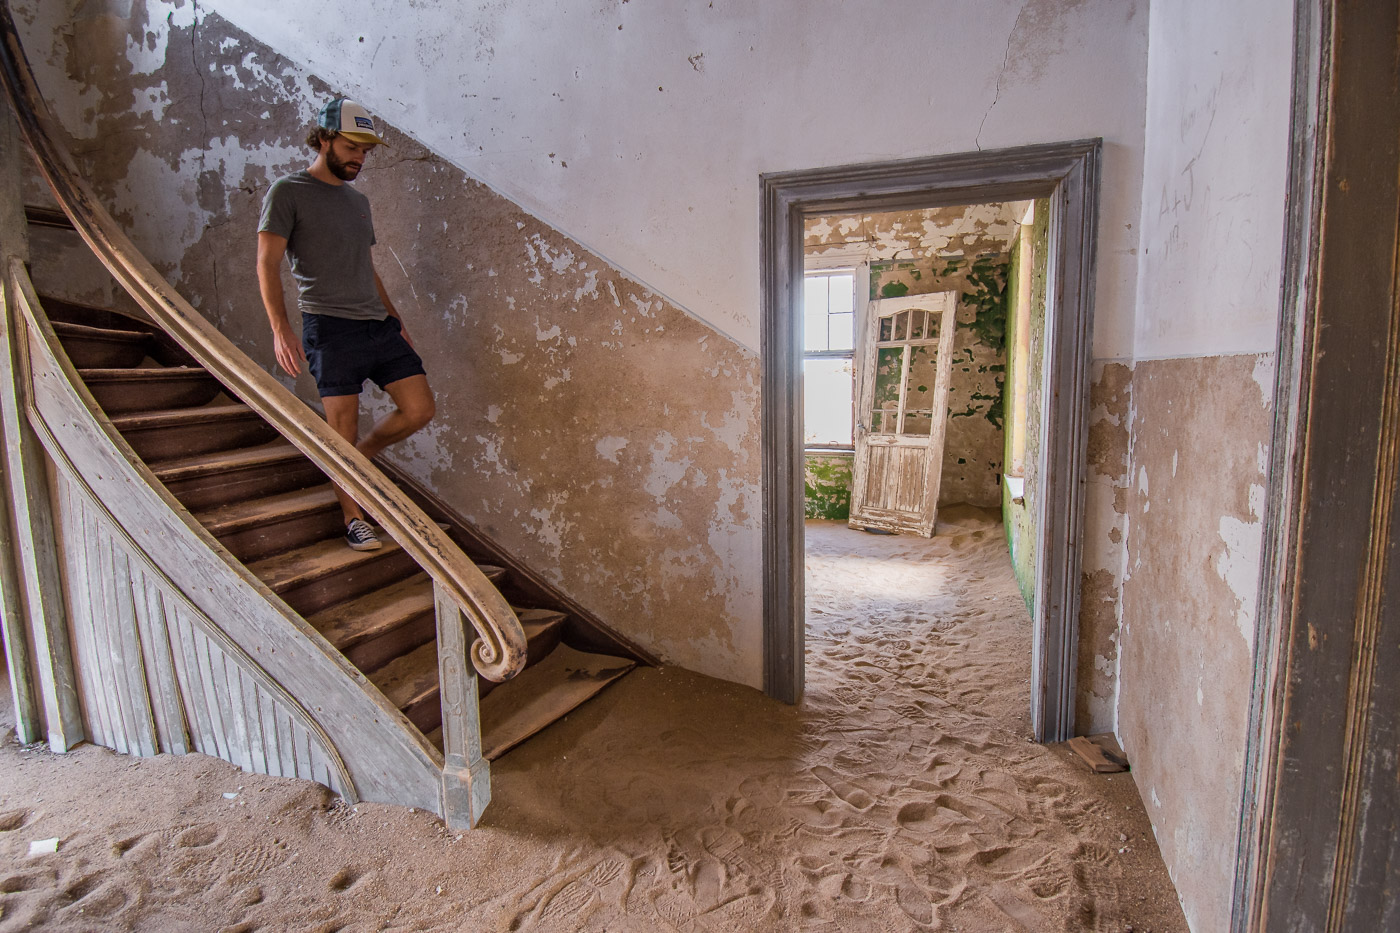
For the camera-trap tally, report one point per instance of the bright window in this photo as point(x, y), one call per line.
point(828, 365)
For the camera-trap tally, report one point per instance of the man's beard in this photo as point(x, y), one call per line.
point(345, 171)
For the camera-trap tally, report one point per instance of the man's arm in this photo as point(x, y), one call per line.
point(389, 305)
point(271, 249)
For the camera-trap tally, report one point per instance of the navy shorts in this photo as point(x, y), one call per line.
point(343, 353)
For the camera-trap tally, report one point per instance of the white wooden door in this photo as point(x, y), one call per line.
point(903, 412)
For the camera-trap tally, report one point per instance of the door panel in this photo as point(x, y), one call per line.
point(902, 411)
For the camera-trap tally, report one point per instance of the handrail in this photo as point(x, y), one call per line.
point(500, 651)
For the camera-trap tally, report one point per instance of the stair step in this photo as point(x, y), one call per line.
point(184, 432)
point(207, 480)
point(543, 629)
point(320, 575)
point(241, 516)
point(376, 628)
point(258, 528)
point(89, 347)
point(543, 694)
point(120, 390)
point(161, 347)
point(350, 624)
point(410, 683)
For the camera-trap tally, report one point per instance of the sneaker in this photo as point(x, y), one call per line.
point(360, 536)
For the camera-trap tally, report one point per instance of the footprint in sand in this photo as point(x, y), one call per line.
point(11, 820)
point(95, 897)
point(14, 884)
point(197, 836)
point(847, 791)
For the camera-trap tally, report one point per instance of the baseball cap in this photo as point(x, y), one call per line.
point(349, 119)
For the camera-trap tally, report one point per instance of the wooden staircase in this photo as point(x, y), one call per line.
point(276, 512)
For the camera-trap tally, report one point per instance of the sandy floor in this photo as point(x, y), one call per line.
point(903, 794)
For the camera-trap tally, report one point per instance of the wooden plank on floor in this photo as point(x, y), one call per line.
point(542, 694)
point(1096, 758)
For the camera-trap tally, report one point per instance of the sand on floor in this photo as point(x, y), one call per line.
point(903, 793)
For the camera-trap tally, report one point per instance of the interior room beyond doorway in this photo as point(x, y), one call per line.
point(861, 387)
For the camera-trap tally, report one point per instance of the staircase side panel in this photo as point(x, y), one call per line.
point(229, 626)
point(138, 662)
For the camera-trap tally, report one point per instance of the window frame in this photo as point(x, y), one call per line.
point(859, 269)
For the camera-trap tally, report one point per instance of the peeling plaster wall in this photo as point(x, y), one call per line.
point(641, 129)
point(964, 249)
point(1199, 454)
point(595, 429)
point(1199, 423)
point(828, 480)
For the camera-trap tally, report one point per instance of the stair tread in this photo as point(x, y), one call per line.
point(314, 561)
point(226, 411)
point(410, 679)
point(543, 694)
point(68, 329)
point(143, 373)
point(539, 617)
point(349, 623)
point(250, 513)
point(238, 458)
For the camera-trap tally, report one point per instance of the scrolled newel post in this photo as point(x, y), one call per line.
point(466, 775)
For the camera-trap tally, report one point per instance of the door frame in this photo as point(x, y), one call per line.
point(1320, 809)
point(1068, 173)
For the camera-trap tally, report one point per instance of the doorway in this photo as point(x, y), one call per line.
point(1067, 174)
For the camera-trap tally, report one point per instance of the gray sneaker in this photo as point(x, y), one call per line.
point(360, 536)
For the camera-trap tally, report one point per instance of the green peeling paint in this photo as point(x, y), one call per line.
point(828, 486)
point(894, 290)
point(987, 294)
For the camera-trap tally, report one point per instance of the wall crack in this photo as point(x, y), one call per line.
point(1005, 58)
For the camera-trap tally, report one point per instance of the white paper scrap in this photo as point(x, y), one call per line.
point(43, 846)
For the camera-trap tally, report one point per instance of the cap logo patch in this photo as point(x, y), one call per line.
point(365, 123)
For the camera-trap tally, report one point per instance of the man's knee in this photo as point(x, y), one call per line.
point(343, 415)
point(419, 410)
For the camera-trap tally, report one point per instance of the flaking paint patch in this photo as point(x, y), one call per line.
point(609, 447)
point(1185, 660)
point(1238, 562)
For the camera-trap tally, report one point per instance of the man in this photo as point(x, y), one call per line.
point(350, 329)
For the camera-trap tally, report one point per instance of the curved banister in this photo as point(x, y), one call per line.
point(500, 651)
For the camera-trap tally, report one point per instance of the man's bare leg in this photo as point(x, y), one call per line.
point(343, 416)
point(414, 407)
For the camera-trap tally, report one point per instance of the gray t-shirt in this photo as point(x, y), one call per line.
point(329, 232)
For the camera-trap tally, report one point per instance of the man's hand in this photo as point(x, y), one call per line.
point(271, 249)
point(290, 355)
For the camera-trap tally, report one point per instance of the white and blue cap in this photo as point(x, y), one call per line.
point(349, 119)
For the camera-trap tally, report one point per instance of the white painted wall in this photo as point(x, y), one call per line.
point(1214, 178)
point(641, 128)
point(1208, 285)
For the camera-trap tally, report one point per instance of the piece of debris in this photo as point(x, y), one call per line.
point(1093, 752)
point(229, 795)
point(43, 846)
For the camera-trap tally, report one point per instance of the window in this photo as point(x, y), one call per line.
point(828, 360)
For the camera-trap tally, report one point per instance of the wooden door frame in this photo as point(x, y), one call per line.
point(1069, 174)
point(1320, 815)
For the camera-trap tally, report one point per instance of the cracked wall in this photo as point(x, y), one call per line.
point(592, 427)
